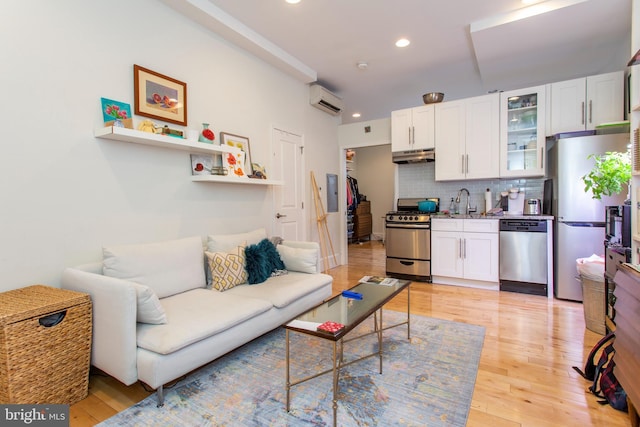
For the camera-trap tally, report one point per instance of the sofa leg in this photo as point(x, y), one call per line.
point(160, 396)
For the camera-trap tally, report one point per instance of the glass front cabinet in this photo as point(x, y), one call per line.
point(522, 132)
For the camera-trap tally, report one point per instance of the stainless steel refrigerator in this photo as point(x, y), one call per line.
point(579, 219)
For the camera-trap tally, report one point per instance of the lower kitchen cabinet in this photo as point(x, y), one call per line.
point(465, 249)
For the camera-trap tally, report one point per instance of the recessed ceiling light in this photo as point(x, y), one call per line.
point(355, 115)
point(403, 42)
point(293, 1)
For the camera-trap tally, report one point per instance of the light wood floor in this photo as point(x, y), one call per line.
point(525, 376)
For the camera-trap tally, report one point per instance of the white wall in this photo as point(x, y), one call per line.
point(65, 193)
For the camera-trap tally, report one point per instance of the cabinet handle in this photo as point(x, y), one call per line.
point(413, 135)
point(583, 112)
point(466, 169)
point(465, 248)
point(590, 111)
point(410, 135)
point(462, 164)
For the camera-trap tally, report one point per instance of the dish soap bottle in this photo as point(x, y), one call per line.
point(453, 207)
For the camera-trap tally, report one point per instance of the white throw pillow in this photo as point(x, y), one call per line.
point(298, 259)
point(229, 242)
point(149, 308)
point(168, 268)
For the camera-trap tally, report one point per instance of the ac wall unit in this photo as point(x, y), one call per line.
point(324, 100)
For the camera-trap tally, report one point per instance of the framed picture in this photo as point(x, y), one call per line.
point(241, 142)
point(159, 97)
point(116, 113)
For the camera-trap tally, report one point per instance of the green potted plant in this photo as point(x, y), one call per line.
point(609, 176)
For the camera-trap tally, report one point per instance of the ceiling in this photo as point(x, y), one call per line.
point(460, 47)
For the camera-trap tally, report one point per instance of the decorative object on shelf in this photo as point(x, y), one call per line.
point(350, 154)
point(242, 143)
point(116, 113)
point(233, 163)
point(203, 165)
point(159, 97)
point(149, 127)
point(611, 172)
point(258, 171)
point(166, 130)
point(206, 135)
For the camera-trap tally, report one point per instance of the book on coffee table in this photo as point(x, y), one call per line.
point(379, 280)
point(331, 327)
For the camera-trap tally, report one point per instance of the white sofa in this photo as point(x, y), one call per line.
point(155, 317)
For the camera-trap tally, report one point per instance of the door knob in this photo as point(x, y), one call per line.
point(279, 216)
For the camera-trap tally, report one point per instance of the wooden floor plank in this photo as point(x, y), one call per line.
point(524, 379)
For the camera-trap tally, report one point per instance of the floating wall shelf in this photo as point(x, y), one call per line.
point(165, 141)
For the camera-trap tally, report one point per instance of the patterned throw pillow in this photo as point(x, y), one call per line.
point(227, 269)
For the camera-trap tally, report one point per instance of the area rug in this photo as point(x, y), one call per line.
point(427, 381)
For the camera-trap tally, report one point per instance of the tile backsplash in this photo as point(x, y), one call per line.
point(418, 180)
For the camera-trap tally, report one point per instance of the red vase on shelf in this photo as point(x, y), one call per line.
point(206, 135)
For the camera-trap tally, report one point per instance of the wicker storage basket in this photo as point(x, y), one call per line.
point(45, 345)
point(593, 305)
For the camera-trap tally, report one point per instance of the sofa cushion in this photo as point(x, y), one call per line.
point(283, 290)
point(149, 309)
point(195, 315)
point(228, 242)
point(257, 264)
point(298, 259)
point(167, 267)
point(227, 269)
point(274, 261)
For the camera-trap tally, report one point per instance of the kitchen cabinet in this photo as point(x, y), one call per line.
point(412, 128)
point(465, 249)
point(467, 138)
point(584, 103)
point(522, 132)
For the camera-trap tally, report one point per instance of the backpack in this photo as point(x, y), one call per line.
point(604, 382)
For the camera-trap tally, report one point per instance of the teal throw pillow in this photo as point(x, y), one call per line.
point(257, 264)
point(274, 262)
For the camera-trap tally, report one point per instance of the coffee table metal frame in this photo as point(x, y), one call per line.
point(374, 298)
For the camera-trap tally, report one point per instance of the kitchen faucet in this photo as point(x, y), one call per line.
point(468, 208)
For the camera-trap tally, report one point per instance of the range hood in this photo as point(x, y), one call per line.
point(413, 156)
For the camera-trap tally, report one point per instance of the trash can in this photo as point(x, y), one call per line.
point(591, 272)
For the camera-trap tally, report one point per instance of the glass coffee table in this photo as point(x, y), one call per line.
point(350, 312)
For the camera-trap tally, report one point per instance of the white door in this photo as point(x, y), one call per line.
point(288, 166)
point(568, 108)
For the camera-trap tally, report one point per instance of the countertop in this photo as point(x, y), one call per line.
point(482, 216)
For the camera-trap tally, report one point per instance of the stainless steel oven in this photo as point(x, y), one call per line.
point(408, 241)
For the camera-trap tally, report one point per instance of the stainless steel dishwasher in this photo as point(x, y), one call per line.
point(523, 256)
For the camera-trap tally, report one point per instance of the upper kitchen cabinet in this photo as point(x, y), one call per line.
point(522, 132)
point(412, 129)
point(583, 104)
point(467, 138)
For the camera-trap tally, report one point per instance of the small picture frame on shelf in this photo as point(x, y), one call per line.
point(159, 97)
point(242, 143)
point(207, 165)
point(116, 113)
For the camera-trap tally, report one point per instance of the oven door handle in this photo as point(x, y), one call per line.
point(410, 226)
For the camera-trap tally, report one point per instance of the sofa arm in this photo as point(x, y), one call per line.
point(304, 245)
point(114, 347)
